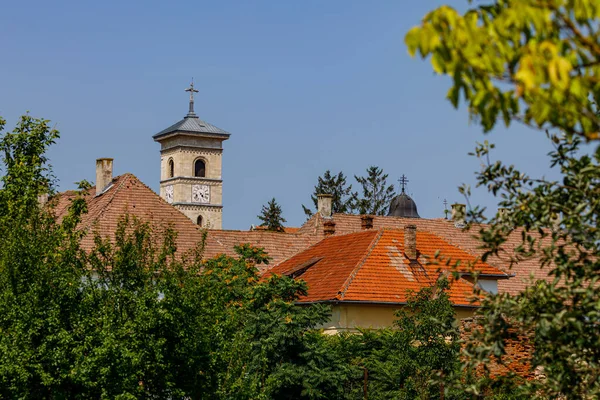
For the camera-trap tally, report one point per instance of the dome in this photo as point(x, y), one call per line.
point(403, 206)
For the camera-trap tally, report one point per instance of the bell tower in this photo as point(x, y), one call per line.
point(190, 167)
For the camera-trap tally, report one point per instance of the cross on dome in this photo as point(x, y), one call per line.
point(403, 181)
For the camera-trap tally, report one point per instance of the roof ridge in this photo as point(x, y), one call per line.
point(160, 198)
point(352, 275)
point(124, 178)
point(476, 258)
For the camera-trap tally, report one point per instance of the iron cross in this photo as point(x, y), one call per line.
point(403, 181)
point(192, 91)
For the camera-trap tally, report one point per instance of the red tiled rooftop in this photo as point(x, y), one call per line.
point(286, 229)
point(127, 195)
point(278, 245)
point(371, 266)
point(445, 229)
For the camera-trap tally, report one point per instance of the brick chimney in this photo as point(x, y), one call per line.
point(410, 242)
point(459, 211)
point(328, 227)
point(324, 202)
point(104, 173)
point(366, 222)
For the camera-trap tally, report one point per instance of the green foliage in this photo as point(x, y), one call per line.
point(536, 62)
point(128, 319)
point(558, 225)
point(336, 186)
point(410, 361)
point(271, 216)
point(376, 194)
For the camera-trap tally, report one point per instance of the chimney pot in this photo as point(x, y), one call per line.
point(324, 205)
point(410, 242)
point(366, 222)
point(459, 212)
point(104, 173)
point(329, 227)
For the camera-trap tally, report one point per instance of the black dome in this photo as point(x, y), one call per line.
point(403, 206)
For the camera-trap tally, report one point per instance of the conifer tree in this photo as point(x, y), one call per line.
point(334, 185)
point(271, 216)
point(376, 193)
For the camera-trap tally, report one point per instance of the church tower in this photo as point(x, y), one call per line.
point(190, 167)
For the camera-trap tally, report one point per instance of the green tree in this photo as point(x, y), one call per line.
point(271, 216)
point(413, 360)
point(336, 186)
point(376, 194)
point(129, 319)
point(537, 63)
point(423, 347)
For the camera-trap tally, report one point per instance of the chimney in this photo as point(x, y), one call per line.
point(329, 227)
point(366, 222)
point(324, 205)
point(410, 242)
point(104, 173)
point(43, 199)
point(459, 212)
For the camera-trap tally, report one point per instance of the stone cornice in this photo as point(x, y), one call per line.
point(191, 179)
point(194, 149)
point(195, 206)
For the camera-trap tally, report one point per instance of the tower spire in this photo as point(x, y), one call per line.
point(191, 89)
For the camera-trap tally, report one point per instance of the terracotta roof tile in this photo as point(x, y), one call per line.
point(286, 229)
point(128, 195)
point(371, 266)
point(445, 229)
point(278, 245)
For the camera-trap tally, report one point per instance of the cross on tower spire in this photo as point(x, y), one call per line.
point(191, 89)
point(403, 181)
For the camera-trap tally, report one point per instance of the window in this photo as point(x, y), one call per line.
point(199, 220)
point(199, 168)
point(171, 168)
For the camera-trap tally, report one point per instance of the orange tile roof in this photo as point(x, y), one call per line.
point(278, 245)
point(286, 229)
point(370, 266)
point(445, 229)
point(128, 195)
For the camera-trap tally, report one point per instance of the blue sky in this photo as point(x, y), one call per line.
point(302, 86)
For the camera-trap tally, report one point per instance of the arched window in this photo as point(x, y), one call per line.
point(171, 168)
point(199, 168)
point(199, 220)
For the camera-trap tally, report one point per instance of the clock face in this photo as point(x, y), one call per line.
point(200, 194)
point(169, 193)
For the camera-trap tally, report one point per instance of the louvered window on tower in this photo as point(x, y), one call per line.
point(199, 220)
point(171, 168)
point(199, 169)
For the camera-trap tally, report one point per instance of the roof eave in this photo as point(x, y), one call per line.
point(164, 135)
point(373, 302)
point(498, 276)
